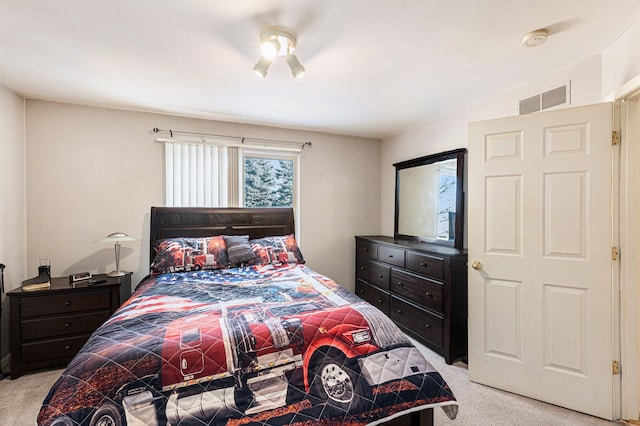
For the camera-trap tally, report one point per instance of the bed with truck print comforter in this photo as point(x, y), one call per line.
point(263, 344)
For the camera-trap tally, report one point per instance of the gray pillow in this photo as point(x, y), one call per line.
point(238, 249)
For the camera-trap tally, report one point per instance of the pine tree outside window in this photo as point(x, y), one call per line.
point(269, 180)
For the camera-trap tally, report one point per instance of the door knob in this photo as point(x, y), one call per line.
point(476, 265)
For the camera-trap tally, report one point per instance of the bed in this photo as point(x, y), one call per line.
point(231, 328)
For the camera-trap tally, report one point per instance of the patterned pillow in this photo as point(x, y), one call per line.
point(187, 254)
point(238, 249)
point(276, 250)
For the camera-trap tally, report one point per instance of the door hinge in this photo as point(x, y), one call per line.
point(614, 253)
point(615, 137)
point(616, 367)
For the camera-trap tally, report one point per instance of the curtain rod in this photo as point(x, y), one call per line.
point(242, 140)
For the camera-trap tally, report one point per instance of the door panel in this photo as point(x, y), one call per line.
point(540, 236)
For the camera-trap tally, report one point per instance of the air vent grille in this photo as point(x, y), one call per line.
point(549, 99)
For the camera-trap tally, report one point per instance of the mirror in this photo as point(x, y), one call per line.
point(430, 198)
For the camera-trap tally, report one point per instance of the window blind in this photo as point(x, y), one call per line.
point(197, 174)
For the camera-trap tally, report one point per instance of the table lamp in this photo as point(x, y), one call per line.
point(117, 238)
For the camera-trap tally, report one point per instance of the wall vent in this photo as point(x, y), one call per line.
point(549, 99)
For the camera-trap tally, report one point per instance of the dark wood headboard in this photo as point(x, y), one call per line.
point(171, 222)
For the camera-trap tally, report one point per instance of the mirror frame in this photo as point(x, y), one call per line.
point(458, 155)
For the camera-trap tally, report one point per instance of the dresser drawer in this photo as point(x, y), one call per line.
point(419, 321)
point(52, 349)
point(425, 264)
point(373, 273)
point(366, 249)
point(392, 255)
point(65, 303)
point(42, 328)
point(421, 291)
point(373, 295)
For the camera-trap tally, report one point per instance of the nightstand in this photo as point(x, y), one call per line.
point(48, 327)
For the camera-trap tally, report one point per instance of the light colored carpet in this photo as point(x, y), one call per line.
point(20, 401)
point(484, 406)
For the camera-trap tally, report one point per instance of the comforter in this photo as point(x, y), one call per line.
point(279, 345)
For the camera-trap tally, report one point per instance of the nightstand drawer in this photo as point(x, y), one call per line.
point(373, 273)
point(392, 255)
point(366, 249)
point(373, 295)
point(51, 349)
point(42, 328)
point(418, 321)
point(425, 264)
point(422, 291)
point(65, 303)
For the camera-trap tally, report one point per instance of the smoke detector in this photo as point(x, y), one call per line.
point(535, 38)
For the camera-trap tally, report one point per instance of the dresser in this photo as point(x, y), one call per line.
point(48, 327)
point(422, 287)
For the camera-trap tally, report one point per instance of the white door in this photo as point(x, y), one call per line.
point(540, 229)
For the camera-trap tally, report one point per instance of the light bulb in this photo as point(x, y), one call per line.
point(270, 48)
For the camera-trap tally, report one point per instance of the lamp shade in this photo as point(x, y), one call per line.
point(296, 67)
point(117, 238)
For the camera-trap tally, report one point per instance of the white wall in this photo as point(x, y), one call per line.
point(451, 130)
point(12, 200)
point(92, 171)
point(621, 61)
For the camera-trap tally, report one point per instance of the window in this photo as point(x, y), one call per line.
point(206, 175)
point(268, 180)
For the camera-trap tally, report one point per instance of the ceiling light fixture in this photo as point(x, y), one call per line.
point(274, 42)
point(535, 38)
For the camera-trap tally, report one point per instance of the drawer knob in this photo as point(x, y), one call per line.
point(362, 268)
point(380, 301)
point(423, 264)
point(67, 325)
point(67, 347)
point(361, 291)
point(399, 311)
point(365, 249)
point(428, 326)
point(400, 283)
point(67, 302)
point(380, 276)
point(426, 293)
point(390, 256)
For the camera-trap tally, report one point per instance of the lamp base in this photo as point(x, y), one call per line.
point(116, 274)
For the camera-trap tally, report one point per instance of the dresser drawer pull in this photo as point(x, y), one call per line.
point(380, 276)
point(67, 325)
point(400, 283)
point(399, 311)
point(428, 326)
point(67, 302)
point(423, 264)
point(365, 249)
point(362, 268)
point(426, 293)
point(390, 256)
point(67, 347)
point(361, 291)
point(380, 301)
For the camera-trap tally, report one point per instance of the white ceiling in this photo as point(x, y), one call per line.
point(374, 67)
